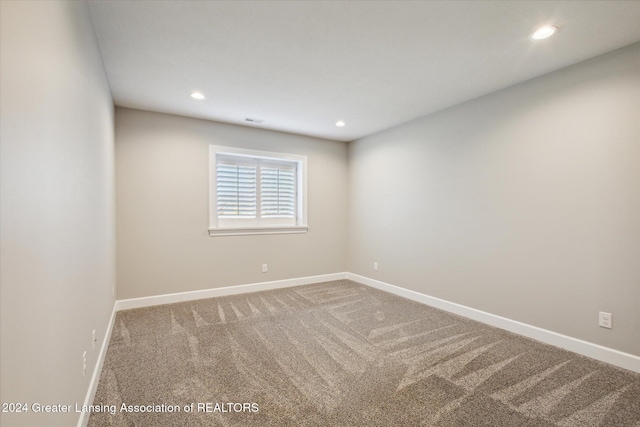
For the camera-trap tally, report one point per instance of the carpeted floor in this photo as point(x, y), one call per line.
point(343, 354)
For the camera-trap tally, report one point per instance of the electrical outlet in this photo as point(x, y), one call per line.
point(265, 268)
point(605, 320)
point(84, 364)
point(93, 340)
point(375, 266)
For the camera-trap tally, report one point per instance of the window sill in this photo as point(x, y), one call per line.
point(248, 231)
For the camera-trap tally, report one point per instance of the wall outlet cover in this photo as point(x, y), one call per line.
point(605, 319)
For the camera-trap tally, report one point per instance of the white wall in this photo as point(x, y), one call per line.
point(162, 164)
point(57, 206)
point(524, 203)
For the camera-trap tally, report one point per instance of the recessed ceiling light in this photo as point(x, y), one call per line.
point(197, 95)
point(544, 32)
point(340, 123)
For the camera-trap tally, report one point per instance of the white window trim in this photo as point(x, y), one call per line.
point(301, 221)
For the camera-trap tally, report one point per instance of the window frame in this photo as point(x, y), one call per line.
point(300, 223)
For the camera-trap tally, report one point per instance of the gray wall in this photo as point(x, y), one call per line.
point(162, 183)
point(524, 203)
point(57, 206)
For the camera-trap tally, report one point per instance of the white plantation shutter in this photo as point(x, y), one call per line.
point(236, 189)
point(255, 191)
point(277, 191)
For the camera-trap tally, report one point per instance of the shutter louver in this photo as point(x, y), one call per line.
point(236, 190)
point(277, 192)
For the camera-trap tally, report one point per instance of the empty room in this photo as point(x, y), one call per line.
point(320, 213)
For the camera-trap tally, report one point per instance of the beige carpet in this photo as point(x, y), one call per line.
point(343, 354)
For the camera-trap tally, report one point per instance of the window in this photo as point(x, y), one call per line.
point(256, 192)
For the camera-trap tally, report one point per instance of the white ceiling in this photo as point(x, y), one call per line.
point(301, 65)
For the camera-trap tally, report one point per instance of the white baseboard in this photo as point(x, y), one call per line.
point(228, 290)
point(585, 348)
point(95, 377)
